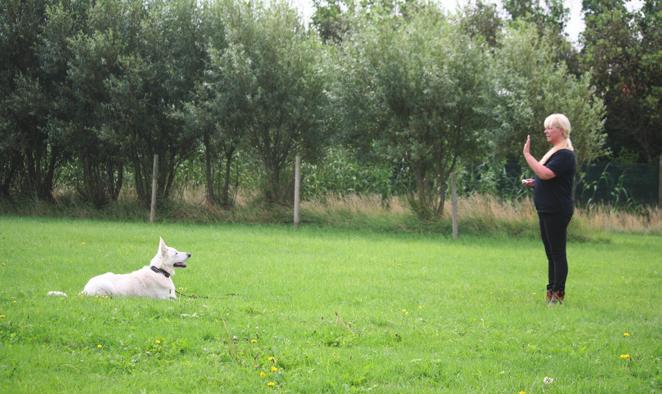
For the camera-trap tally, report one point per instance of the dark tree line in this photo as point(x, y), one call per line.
point(99, 87)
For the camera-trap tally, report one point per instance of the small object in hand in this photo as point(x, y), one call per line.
point(528, 182)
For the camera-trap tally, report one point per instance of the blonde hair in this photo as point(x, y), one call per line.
point(562, 122)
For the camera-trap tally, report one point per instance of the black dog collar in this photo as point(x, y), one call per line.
point(160, 271)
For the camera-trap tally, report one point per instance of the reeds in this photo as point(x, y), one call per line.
point(478, 214)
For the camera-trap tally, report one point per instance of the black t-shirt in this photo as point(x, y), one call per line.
point(555, 195)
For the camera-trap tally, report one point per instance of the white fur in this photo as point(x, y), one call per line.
point(143, 282)
point(56, 293)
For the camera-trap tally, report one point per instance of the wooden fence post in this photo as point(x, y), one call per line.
point(297, 189)
point(454, 218)
point(155, 174)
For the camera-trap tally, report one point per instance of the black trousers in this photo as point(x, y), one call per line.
point(554, 234)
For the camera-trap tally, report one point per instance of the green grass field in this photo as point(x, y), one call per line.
point(319, 310)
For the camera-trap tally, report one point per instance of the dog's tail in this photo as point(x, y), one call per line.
point(55, 293)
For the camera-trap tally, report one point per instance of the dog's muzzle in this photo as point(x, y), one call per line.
point(182, 264)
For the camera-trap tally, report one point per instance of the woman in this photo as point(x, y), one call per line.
point(552, 196)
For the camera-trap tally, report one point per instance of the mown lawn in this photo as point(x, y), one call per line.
point(318, 310)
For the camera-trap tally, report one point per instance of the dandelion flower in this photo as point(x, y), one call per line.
point(626, 334)
point(158, 341)
point(625, 357)
point(522, 392)
point(274, 369)
point(271, 384)
point(548, 380)
point(253, 341)
point(99, 346)
point(263, 374)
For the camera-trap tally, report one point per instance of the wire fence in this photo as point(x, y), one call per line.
point(626, 185)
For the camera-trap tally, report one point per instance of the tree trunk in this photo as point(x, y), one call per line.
point(47, 182)
point(225, 197)
point(9, 173)
point(141, 190)
point(115, 182)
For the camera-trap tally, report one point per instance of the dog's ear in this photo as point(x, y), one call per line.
point(163, 248)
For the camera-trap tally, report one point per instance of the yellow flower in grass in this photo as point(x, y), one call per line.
point(253, 341)
point(271, 384)
point(263, 374)
point(158, 341)
point(626, 334)
point(625, 357)
point(522, 392)
point(99, 346)
point(274, 369)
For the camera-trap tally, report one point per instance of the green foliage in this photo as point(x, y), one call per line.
point(622, 53)
point(531, 86)
point(29, 157)
point(418, 88)
point(156, 80)
point(341, 172)
point(331, 20)
point(93, 89)
point(481, 19)
point(275, 68)
point(92, 55)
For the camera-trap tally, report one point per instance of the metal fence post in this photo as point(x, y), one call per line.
point(155, 174)
point(454, 218)
point(297, 189)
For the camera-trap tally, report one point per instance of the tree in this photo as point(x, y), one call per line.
point(29, 156)
point(550, 20)
point(331, 20)
point(273, 69)
point(419, 88)
point(480, 19)
point(531, 85)
point(81, 46)
point(622, 53)
point(155, 81)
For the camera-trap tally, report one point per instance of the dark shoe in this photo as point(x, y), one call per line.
point(557, 297)
point(548, 297)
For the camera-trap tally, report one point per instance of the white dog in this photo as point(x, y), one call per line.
point(152, 281)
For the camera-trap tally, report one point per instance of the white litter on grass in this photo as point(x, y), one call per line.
point(194, 315)
point(57, 294)
point(548, 380)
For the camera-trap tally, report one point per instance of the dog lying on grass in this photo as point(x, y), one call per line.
point(153, 281)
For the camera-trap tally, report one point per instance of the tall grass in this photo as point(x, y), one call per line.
point(478, 214)
point(483, 213)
